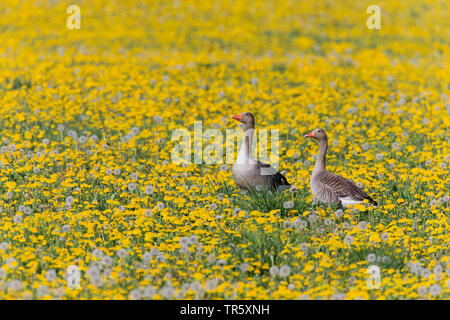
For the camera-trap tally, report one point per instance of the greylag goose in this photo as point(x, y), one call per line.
point(250, 173)
point(330, 188)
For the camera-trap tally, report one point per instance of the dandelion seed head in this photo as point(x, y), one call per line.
point(243, 267)
point(338, 213)
point(167, 292)
point(371, 257)
point(425, 273)
point(132, 187)
point(339, 296)
point(184, 242)
point(148, 213)
point(415, 267)
point(213, 206)
point(211, 284)
point(97, 281)
point(195, 286)
point(158, 119)
point(147, 257)
point(15, 285)
point(274, 270)
point(107, 261)
point(4, 246)
point(438, 269)
point(221, 262)
point(348, 239)
point(211, 259)
point(69, 200)
point(97, 253)
point(122, 253)
point(312, 218)
point(160, 206)
point(435, 290)
point(134, 176)
point(51, 275)
point(296, 223)
point(149, 190)
point(362, 225)
point(42, 290)
point(192, 239)
point(82, 140)
point(385, 259)
point(284, 271)
point(288, 204)
point(135, 294)
point(149, 292)
point(304, 247)
point(422, 291)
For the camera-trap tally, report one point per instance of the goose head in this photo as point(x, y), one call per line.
point(318, 134)
point(247, 119)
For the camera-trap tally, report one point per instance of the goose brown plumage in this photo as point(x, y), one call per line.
point(250, 173)
point(330, 188)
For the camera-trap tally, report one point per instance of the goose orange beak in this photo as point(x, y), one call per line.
point(237, 117)
point(310, 135)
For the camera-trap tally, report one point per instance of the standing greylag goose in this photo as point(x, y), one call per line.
point(330, 188)
point(250, 173)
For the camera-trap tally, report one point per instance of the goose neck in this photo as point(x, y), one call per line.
point(321, 157)
point(246, 147)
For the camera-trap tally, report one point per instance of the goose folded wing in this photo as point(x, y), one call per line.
point(275, 178)
point(344, 188)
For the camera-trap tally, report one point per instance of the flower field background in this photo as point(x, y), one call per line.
point(86, 176)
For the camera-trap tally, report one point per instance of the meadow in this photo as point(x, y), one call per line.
point(87, 180)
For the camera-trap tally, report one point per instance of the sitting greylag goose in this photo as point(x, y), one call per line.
point(330, 188)
point(250, 173)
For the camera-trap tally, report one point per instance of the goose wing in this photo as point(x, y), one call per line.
point(344, 188)
point(273, 178)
